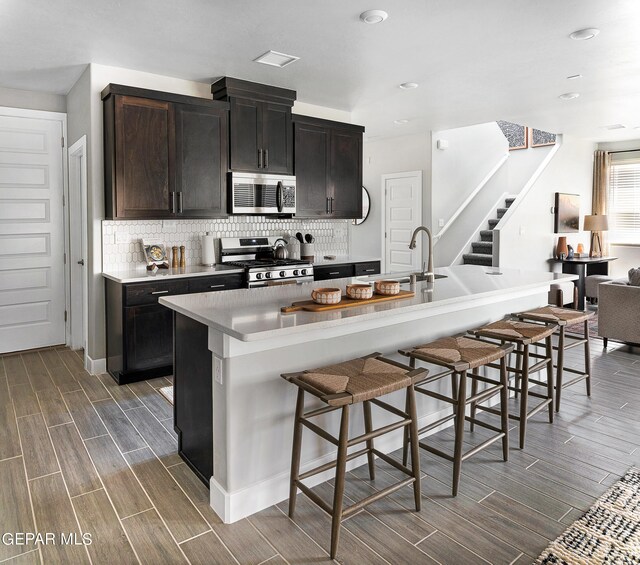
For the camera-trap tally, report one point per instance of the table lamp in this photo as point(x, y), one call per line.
point(595, 224)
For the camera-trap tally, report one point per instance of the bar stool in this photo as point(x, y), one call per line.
point(339, 386)
point(562, 317)
point(522, 335)
point(459, 355)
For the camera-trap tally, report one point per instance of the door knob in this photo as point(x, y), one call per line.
point(81, 262)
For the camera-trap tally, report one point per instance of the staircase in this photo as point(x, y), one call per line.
point(482, 251)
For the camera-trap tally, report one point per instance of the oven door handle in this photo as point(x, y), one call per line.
point(279, 201)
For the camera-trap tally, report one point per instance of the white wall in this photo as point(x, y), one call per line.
point(527, 241)
point(305, 109)
point(522, 164)
point(384, 156)
point(628, 255)
point(32, 100)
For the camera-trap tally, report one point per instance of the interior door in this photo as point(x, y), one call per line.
point(32, 277)
point(403, 214)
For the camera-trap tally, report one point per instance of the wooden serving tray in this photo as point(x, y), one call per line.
point(311, 306)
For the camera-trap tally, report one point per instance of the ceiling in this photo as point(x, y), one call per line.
point(475, 61)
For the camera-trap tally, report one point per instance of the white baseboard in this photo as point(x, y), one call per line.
point(95, 366)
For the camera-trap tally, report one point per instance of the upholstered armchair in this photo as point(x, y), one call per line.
point(619, 312)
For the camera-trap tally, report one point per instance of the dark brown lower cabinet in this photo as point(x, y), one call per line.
point(148, 335)
point(344, 270)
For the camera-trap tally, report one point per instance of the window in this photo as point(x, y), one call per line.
point(624, 201)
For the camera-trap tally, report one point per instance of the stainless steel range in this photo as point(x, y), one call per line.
point(255, 254)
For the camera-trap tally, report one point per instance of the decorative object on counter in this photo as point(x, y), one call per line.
point(346, 302)
point(307, 252)
point(155, 254)
point(580, 248)
point(183, 259)
point(280, 250)
point(570, 253)
point(207, 243)
point(387, 287)
point(595, 224)
point(359, 291)
point(326, 295)
point(174, 259)
point(366, 206)
point(561, 248)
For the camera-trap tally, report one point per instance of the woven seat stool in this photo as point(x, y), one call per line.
point(459, 355)
point(522, 335)
point(562, 317)
point(361, 380)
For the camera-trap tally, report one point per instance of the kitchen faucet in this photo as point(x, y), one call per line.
point(427, 271)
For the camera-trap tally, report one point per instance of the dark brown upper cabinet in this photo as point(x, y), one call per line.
point(328, 168)
point(165, 154)
point(260, 134)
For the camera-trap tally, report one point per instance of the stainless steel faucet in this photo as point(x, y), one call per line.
point(427, 270)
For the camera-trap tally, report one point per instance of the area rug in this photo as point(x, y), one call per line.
point(167, 392)
point(608, 533)
point(578, 328)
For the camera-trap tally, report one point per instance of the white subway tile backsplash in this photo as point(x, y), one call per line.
point(121, 239)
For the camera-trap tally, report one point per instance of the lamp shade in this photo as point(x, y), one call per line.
point(596, 223)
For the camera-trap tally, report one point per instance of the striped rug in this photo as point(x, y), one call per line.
point(608, 533)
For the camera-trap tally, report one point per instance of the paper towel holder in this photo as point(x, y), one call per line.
point(207, 245)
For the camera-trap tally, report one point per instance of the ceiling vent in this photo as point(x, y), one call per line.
point(614, 126)
point(275, 59)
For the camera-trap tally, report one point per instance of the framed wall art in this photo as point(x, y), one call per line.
point(541, 138)
point(517, 135)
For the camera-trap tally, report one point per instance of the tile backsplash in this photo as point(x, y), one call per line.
point(121, 239)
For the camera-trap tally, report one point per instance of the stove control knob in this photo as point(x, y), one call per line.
point(283, 274)
point(259, 276)
point(303, 272)
point(268, 274)
point(296, 272)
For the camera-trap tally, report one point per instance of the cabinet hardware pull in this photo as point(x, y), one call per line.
point(335, 273)
point(160, 292)
point(217, 286)
point(172, 204)
point(327, 204)
point(259, 158)
point(266, 158)
point(369, 270)
point(332, 204)
point(179, 202)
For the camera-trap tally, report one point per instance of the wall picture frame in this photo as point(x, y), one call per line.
point(517, 135)
point(540, 138)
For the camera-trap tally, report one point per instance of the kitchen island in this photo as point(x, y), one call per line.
point(233, 412)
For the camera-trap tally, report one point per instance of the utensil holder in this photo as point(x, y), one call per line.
point(307, 251)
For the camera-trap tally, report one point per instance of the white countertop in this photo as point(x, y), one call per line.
point(254, 314)
point(139, 273)
point(343, 259)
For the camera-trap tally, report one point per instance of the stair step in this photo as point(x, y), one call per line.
point(477, 259)
point(502, 212)
point(493, 223)
point(509, 201)
point(483, 247)
point(486, 235)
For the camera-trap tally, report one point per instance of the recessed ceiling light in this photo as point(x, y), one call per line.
point(574, 77)
point(569, 95)
point(584, 34)
point(275, 59)
point(400, 122)
point(373, 16)
point(409, 85)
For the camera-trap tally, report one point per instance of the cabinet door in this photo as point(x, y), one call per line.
point(327, 272)
point(276, 138)
point(245, 134)
point(148, 337)
point(201, 161)
point(346, 174)
point(144, 144)
point(311, 170)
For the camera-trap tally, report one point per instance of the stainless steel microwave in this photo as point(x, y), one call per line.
point(262, 194)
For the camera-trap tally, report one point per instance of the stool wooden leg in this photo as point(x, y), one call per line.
point(560, 367)
point(524, 394)
point(549, 354)
point(405, 440)
point(474, 391)
point(460, 410)
point(518, 367)
point(415, 447)
point(368, 428)
point(587, 357)
point(295, 455)
point(338, 494)
point(504, 408)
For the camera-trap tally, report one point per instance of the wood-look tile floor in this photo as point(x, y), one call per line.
point(79, 454)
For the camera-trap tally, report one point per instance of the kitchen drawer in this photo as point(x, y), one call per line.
point(327, 272)
point(148, 293)
point(371, 268)
point(216, 282)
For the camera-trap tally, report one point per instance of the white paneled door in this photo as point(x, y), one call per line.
point(403, 214)
point(32, 276)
